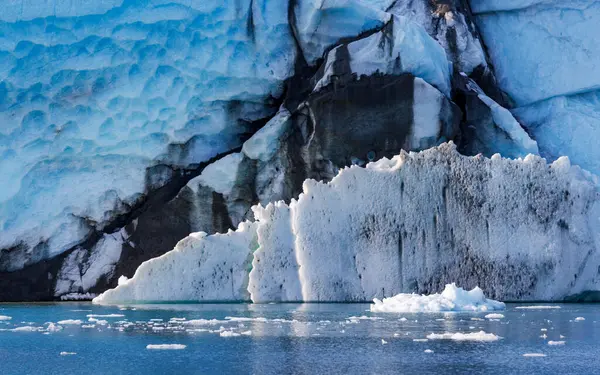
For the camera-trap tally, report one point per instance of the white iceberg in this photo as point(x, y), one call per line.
point(452, 298)
point(412, 223)
point(458, 336)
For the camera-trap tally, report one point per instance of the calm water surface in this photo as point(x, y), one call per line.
point(291, 339)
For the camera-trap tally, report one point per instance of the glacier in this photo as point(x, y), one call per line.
point(126, 125)
point(390, 228)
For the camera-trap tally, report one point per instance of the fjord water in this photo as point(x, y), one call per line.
point(292, 339)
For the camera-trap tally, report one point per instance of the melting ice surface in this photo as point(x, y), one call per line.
point(295, 338)
point(452, 298)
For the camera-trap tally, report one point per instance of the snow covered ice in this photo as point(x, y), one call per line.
point(452, 298)
point(380, 248)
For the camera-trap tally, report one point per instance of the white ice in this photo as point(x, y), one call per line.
point(346, 244)
point(459, 336)
point(166, 346)
point(452, 298)
point(70, 322)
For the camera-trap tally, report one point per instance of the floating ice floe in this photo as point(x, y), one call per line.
point(494, 316)
point(26, 329)
point(452, 298)
point(458, 336)
point(4, 317)
point(166, 346)
point(53, 327)
point(555, 343)
point(105, 315)
point(537, 307)
point(229, 334)
point(67, 353)
point(579, 319)
point(70, 322)
point(428, 351)
point(534, 355)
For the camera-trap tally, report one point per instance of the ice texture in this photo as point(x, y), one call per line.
point(402, 46)
point(566, 125)
point(408, 224)
point(452, 298)
point(201, 268)
point(320, 24)
point(544, 51)
point(95, 94)
point(545, 54)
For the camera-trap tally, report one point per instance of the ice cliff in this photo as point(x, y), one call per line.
point(125, 125)
point(545, 54)
point(520, 229)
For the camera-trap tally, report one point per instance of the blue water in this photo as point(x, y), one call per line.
point(293, 339)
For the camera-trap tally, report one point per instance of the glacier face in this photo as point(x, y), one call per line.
point(110, 108)
point(405, 224)
point(91, 101)
point(545, 55)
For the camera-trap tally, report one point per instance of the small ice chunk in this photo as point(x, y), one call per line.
point(166, 346)
point(534, 355)
point(70, 322)
point(53, 328)
point(554, 343)
point(579, 319)
point(67, 353)
point(452, 298)
point(26, 329)
point(427, 351)
point(537, 307)
point(229, 334)
point(458, 336)
point(383, 342)
point(105, 315)
point(420, 340)
point(494, 316)
point(4, 317)
point(544, 329)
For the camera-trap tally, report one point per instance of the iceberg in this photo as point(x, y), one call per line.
point(452, 298)
point(412, 223)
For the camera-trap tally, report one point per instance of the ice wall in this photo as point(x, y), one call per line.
point(93, 94)
point(409, 224)
point(545, 54)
